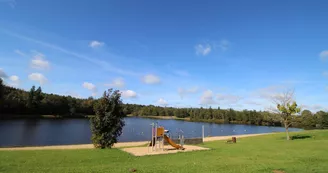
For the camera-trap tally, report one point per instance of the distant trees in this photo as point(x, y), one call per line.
point(107, 124)
point(286, 107)
point(19, 103)
point(1, 93)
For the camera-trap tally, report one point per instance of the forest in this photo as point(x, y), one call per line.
point(17, 103)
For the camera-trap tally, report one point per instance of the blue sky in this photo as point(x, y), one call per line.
point(175, 53)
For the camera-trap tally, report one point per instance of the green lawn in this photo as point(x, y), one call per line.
point(250, 155)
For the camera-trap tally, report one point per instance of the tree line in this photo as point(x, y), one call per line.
point(17, 103)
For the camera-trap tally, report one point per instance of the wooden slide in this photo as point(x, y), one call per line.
point(168, 140)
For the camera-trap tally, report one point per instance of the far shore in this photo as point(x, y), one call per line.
point(162, 117)
point(119, 144)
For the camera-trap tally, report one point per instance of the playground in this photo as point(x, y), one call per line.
point(160, 137)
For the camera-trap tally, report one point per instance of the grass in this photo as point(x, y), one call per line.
point(307, 153)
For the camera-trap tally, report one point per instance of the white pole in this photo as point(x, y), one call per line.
point(152, 137)
point(203, 132)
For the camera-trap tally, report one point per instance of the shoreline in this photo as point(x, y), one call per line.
point(119, 144)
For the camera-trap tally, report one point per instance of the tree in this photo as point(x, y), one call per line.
point(30, 98)
point(286, 107)
point(108, 123)
point(308, 121)
point(1, 94)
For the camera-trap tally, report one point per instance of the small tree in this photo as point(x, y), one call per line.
point(108, 123)
point(286, 107)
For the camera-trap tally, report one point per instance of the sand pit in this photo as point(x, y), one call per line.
point(143, 151)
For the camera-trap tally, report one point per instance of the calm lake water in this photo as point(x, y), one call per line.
point(77, 131)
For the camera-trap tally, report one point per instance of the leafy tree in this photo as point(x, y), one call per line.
point(286, 109)
point(322, 119)
point(1, 93)
point(108, 123)
point(31, 98)
point(307, 119)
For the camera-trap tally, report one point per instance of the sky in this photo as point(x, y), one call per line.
point(228, 53)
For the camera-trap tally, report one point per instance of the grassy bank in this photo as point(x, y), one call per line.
point(259, 154)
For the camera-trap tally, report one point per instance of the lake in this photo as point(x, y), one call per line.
point(77, 131)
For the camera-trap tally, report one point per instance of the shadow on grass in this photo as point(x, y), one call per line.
point(295, 137)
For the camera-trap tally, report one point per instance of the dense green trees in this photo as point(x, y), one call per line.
point(108, 122)
point(19, 103)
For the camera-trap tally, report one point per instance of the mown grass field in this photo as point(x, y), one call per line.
point(250, 155)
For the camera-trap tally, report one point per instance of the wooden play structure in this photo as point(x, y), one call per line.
point(159, 135)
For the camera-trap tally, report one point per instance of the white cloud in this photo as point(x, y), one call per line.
point(151, 79)
point(207, 98)
point(162, 102)
point(203, 49)
point(229, 99)
point(129, 94)
point(20, 53)
point(183, 92)
point(3, 74)
point(14, 81)
point(95, 44)
point(103, 64)
point(117, 83)
point(324, 55)
point(91, 87)
point(39, 62)
point(38, 77)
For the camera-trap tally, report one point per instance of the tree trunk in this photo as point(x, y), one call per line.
point(286, 127)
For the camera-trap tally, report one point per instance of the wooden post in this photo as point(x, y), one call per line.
point(234, 139)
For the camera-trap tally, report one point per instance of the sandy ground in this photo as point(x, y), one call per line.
point(142, 151)
point(120, 144)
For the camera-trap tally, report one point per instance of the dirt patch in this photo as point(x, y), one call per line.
point(278, 171)
point(142, 151)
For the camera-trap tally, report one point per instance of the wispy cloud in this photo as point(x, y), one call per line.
point(223, 45)
point(95, 44)
point(203, 49)
point(151, 79)
point(20, 53)
point(117, 83)
point(103, 64)
point(324, 55)
point(325, 74)
point(185, 91)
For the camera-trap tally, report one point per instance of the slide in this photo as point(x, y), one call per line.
point(168, 140)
